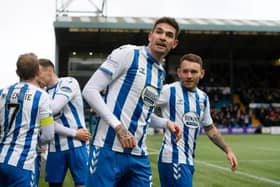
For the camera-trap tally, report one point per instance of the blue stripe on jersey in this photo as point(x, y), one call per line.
point(197, 103)
point(17, 123)
point(186, 129)
point(172, 108)
point(205, 101)
point(56, 142)
point(106, 71)
point(66, 124)
point(122, 96)
point(159, 85)
point(6, 120)
point(76, 115)
point(139, 109)
point(198, 110)
point(32, 126)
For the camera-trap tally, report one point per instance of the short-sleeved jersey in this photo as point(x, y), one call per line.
point(71, 115)
point(189, 109)
point(137, 80)
point(23, 106)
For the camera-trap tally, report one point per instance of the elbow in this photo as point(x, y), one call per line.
point(49, 137)
point(46, 139)
point(85, 93)
point(55, 109)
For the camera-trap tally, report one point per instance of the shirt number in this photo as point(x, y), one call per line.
point(13, 108)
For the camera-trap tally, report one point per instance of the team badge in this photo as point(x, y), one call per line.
point(191, 120)
point(149, 96)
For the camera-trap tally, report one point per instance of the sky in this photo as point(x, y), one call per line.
point(27, 25)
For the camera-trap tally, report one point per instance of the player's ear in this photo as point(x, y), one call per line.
point(176, 42)
point(202, 73)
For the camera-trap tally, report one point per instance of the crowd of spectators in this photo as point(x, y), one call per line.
point(254, 83)
point(226, 113)
point(231, 116)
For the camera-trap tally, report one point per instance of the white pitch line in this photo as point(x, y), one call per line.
point(263, 179)
point(266, 149)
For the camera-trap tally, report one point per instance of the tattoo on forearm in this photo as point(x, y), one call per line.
point(218, 140)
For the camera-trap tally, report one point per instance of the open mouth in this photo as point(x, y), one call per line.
point(161, 45)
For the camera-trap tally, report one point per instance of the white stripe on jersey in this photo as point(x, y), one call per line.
point(72, 114)
point(189, 109)
point(136, 83)
point(20, 126)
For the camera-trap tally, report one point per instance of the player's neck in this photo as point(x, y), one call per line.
point(31, 81)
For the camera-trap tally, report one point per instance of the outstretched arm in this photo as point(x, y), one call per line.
point(216, 137)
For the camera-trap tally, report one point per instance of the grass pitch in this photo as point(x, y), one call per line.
point(258, 157)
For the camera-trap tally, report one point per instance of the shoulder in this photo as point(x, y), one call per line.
point(201, 92)
point(35, 89)
point(175, 85)
point(68, 83)
point(68, 80)
point(124, 50)
point(166, 88)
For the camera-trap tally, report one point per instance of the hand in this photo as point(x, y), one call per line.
point(175, 129)
point(233, 161)
point(126, 139)
point(83, 135)
point(41, 149)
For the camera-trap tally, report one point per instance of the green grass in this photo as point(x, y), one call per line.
point(258, 157)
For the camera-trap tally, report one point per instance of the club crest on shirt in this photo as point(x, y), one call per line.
point(149, 96)
point(191, 120)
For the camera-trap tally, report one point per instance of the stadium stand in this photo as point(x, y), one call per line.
point(241, 59)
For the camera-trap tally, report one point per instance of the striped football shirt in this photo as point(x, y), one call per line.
point(23, 108)
point(137, 80)
point(189, 109)
point(71, 115)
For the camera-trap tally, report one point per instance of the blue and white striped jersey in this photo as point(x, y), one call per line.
point(189, 109)
point(23, 108)
point(71, 115)
point(137, 80)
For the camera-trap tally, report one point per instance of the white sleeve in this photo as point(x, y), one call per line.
point(116, 62)
point(46, 134)
point(158, 122)
point(58, 103)
point(207, 119)
point(91, 93)
point(64, 131)
point(164, 96)
point(67, 89)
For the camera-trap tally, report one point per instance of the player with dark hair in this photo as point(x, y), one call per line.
point(133, 78)
point(185, 104)
point(25, 123)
